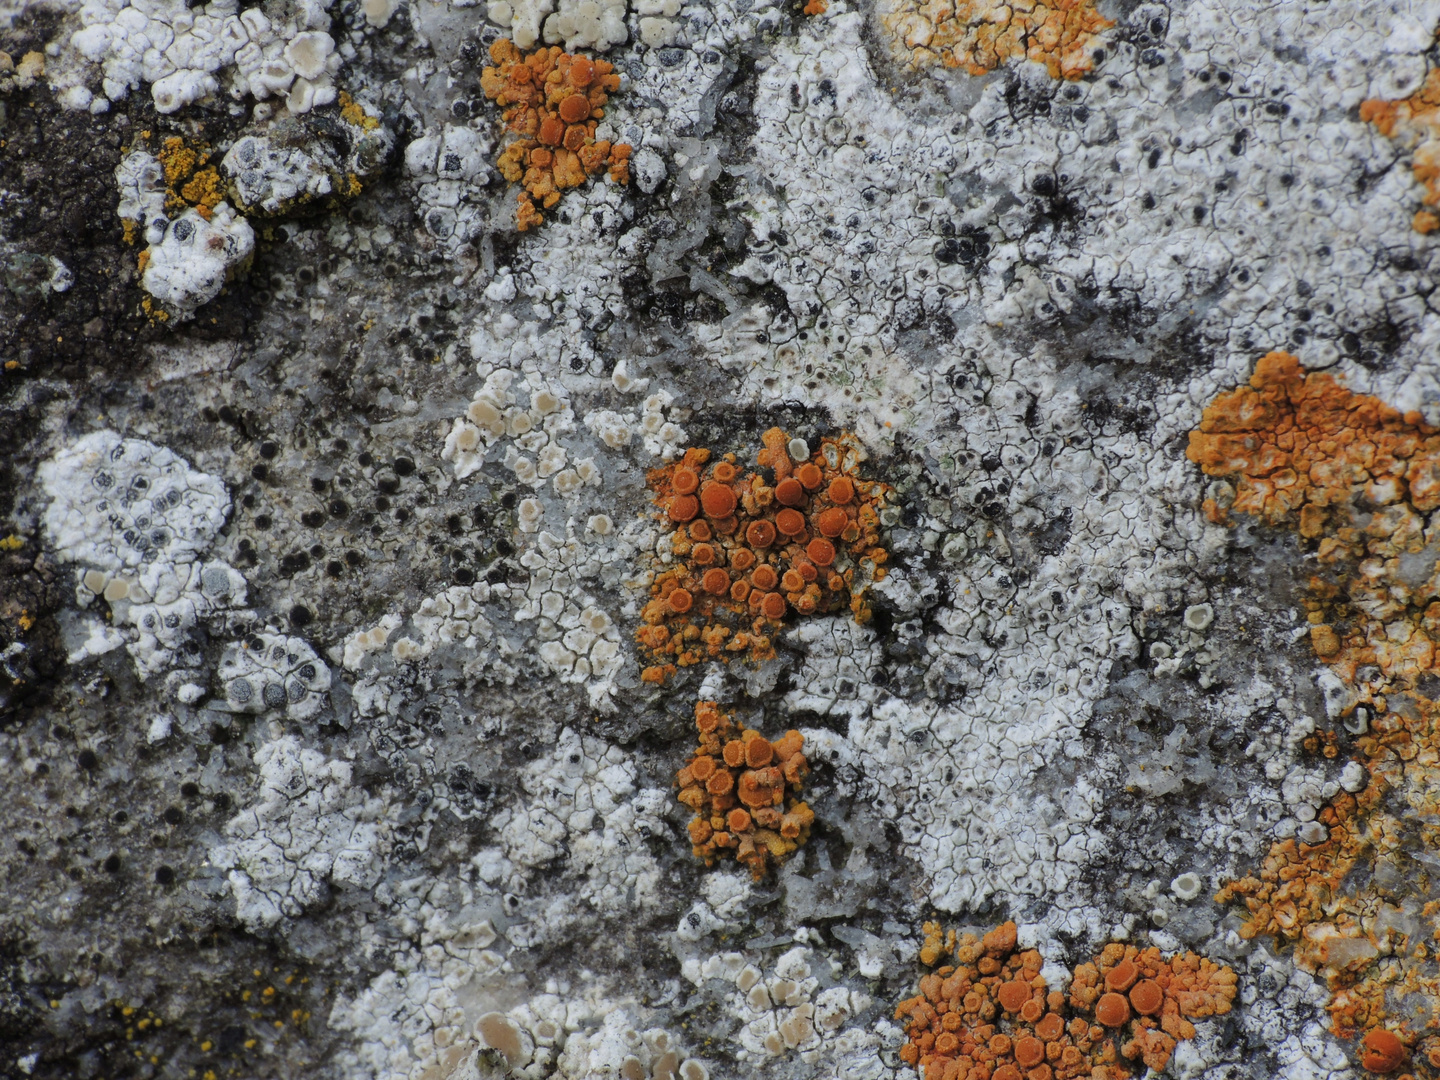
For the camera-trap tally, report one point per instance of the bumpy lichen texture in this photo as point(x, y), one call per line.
point(991, 1013)
point(554, 101)
point(749, 551)
point(743, 790)
point(982, 35)
point(1415, 121)
point(1357, 479)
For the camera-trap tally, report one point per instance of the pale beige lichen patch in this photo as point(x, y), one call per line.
point(982, 35)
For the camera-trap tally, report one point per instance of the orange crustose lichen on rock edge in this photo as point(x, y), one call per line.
point(1416, 121)
point(747, 552)
point(991, 1015)
point(553, 101)
point(981, 35)
point(743, 790)
point(1360, 483)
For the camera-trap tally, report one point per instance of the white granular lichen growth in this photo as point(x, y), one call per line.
point(187, 54)
point(582, 784)
point(138, 521)
point(194, 257)
point(309, 829)
point(270, 672)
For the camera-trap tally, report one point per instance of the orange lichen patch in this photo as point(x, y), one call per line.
point(982, 35)
point(764, 777)
point(990, 1013)
point(1415, 121)
point(553, 102)
point(750, 549)
point(1357, 479)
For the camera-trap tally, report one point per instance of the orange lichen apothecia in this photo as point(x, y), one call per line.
point(750, 549)
point(991, 1015)
point(743, 790)
point(1358, 480)
point(1416, 122)
point(553, 101)
point(981, 35)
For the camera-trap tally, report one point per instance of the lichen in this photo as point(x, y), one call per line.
point(742, 788)
point(553, 101)
point(1415, 122)
point(1356, 479)
point(803, 537)
point(992, 1014)
point(982, 35)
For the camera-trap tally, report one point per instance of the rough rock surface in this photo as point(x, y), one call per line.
point(332, 503)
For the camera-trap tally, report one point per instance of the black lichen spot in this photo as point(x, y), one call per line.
point(404, 466)
point(173, 815)
point(86, 759)
point(164, 875)
point(190, 789)
point(111, 865)
point(269, 449)
point(260, 472)
point(312, 519)
point(301, 616)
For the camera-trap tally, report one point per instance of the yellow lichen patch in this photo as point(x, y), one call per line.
point(991, 1013)
point(742, 788)
point(750, 549)
point(189, 178)
point(1415, 122)
point(1357, 480)
point(354, 114)
point(11, 543)
point(982, 35)
point(553, 101)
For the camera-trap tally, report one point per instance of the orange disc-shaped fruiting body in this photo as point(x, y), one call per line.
point(760, 534)
point(716, 581)
point(739, 591)
point(680, 601)
point(820, 551)
point(734, 753)
point(718, 500)
point(1147, 997)
point(702, 554)
point(1112, 1010)
point(1050, 1027)
point(683, 508)
point(842, 490)
point(764, 578)
point(832, 522)
point(758, 752)
point(1382, 1051)
point(1031, 1011)
point(946, 1044)
point(1029, 1051)
point(791, 581)
point(700, 530)
point(1012, 995)
point(742, 559)
point(551, 131)
point(810, 476)
point(574, 108)
point(791, 522)
point(702, 767)
point(725, 472)
point(773, 606)
point(789, 492)
point(738, 820)
point(1006, 1072)
point(582, 72)
point(684, 482)
point(1122, 976)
